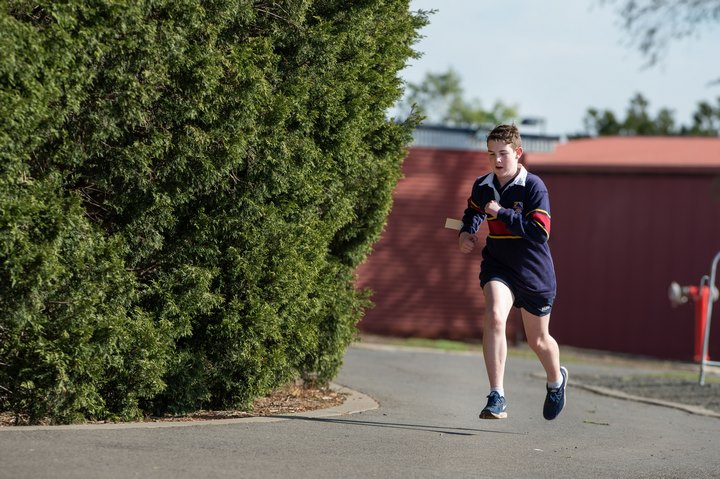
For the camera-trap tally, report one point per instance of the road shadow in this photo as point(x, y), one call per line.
point(455, 431)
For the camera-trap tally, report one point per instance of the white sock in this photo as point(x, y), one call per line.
point(556, 384)
point(500, 391)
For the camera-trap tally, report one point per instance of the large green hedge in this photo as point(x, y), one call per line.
point(186, 189)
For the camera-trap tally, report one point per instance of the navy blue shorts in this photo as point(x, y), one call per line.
point(539, 305)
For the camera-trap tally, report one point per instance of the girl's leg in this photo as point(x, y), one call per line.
point(498, 302)
point(538, 336)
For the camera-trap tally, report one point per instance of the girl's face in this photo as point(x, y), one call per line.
point(503, 160)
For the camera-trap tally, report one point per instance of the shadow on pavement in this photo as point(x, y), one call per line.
point(456, 431)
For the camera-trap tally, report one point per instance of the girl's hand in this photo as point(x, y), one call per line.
point(467, 242)
point(492, 208)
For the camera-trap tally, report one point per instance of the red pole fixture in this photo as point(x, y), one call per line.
point(700, 295)
point(701, 298)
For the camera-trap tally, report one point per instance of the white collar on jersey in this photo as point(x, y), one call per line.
point(519, 180)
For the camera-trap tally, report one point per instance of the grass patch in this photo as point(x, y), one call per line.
point(439, 344)
point(442, 344)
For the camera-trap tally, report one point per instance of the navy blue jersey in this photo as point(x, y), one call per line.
point(517, 245)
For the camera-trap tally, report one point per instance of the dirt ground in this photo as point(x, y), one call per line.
point(676, 390)
point(289, 399)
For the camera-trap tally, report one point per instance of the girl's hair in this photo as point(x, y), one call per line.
point(506, 134)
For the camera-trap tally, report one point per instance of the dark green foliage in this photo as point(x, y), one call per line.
point(72, 343)
point(187, 189)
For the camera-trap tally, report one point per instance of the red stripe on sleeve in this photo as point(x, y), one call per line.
point(542, 219)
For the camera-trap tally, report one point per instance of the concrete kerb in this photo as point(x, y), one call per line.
point(354, 403)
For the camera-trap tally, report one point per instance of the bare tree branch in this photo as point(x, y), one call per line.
point(654, 24)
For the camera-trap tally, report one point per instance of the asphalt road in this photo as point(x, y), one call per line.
point(426, 426)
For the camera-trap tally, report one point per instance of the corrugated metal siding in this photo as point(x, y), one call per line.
point(423, 286)
point(618, 240)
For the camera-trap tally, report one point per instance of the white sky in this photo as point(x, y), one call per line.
point(556, 58)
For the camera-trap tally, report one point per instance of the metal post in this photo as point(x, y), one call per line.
point(706, 343)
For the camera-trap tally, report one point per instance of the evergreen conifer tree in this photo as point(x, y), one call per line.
point(186, 189)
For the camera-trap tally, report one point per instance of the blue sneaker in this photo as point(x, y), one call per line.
point(495, 408)
point(555, 398)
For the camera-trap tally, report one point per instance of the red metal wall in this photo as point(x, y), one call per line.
point(618, 240)
point(423, 286)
